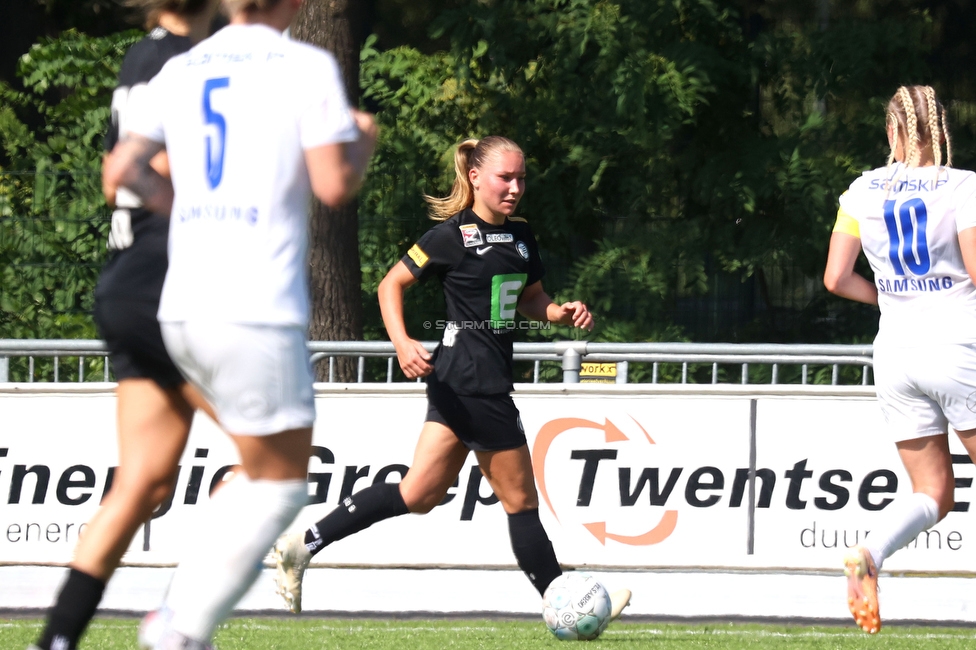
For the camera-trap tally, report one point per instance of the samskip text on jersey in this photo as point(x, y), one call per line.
point(907, 185)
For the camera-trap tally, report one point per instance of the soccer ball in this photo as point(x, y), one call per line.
point(576, 606)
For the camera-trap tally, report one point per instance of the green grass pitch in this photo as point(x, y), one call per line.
point(459, 634)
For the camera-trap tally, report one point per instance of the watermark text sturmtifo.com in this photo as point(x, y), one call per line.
point(487, 325)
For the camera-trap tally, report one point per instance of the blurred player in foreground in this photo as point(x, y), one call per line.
point(915, 220)
point(253, 123)
point(154, 403)
point(488, 263)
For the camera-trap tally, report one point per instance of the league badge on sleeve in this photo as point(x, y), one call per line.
point(470, 235)
point(418, 255)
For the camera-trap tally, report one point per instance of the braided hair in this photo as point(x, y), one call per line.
point(918, 122)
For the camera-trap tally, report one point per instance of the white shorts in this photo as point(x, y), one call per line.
point(257, 377)
point(924, 390)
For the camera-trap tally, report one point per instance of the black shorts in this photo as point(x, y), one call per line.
point(481, 422)
point(131, 332)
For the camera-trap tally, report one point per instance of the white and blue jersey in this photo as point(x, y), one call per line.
point(908, 220)
point(236, 114)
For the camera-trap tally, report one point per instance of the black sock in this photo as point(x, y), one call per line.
point(356, 513)
point(533, 550)
point(72, 611)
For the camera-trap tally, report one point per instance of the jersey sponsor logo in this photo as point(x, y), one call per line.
point(207, 58)
point(499, 237)
point(523, 250)
point(907, 185)
point(470, 235)
point(216, 212)
point(418, 256)
point(505, 292)
point(909, 285)
point(482, 251)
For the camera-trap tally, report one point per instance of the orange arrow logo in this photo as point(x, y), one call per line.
point(544, 439)
point(655, 535)
point(548, 433)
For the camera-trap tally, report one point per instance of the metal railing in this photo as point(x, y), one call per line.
point(60, 361)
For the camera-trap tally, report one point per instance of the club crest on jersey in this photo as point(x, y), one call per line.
point(523, 250)
point(470, 235)
point(499, 237)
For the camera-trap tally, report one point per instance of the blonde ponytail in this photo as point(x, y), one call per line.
point(462, 194)
point(470, 154)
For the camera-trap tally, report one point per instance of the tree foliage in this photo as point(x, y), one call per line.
point(53, 219)
point(684, 158)
point(666, 144)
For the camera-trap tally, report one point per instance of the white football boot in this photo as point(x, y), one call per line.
point(618, 600)
point(291, 559)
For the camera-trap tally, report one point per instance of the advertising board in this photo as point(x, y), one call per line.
point(626, 479)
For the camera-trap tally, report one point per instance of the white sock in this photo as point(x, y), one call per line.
point(901, 522)
point(245, 518)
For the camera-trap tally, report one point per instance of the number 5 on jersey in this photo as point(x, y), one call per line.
point(214, 143)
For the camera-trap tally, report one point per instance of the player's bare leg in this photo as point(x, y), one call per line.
point(437, 461)
point(438, 457)
point(929, 465)
point(258, 504)
point(153, 428)
point(153, 425)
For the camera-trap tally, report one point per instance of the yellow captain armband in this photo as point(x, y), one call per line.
point(847, 224)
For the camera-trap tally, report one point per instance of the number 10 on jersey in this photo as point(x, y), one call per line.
point(908, 246)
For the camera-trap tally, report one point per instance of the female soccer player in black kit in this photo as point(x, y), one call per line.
point(488, 263)
point(155, 405)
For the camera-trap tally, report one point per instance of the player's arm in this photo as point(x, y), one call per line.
point(336, 170)
point(108, 189)
point(535, 304)
point(840, 277)
point(413, 357)
point(130, 165)
point(967, 245)
point(159, 162)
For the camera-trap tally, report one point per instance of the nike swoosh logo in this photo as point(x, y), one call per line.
point(482, 251)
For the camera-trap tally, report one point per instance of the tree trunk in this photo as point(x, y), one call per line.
point(336, 278)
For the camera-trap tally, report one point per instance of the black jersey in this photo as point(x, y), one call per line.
point(137, 265)
point(483, 269)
